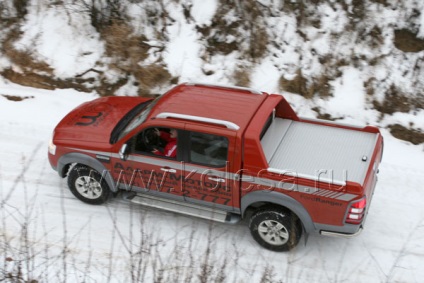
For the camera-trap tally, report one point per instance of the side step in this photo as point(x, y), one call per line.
point(185, 208)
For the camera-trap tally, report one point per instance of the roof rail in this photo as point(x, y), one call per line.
point(251, 90)
point(227, 124)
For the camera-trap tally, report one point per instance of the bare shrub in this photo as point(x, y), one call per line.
point(245, 33)
point(102, 13)
point(30, 258)
point(21, 7)
point(359, 11)
point(220, 30)
point(268, 275)
point(373, 36)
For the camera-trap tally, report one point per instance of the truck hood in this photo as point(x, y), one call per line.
point(94, 121)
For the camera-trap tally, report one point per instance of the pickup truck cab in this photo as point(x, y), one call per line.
point(236, 153)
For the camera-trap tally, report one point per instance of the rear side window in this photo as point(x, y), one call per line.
point(207, 149)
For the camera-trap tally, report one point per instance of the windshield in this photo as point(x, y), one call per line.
point(138, 118)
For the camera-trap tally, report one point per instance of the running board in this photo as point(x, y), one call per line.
point(185, 208)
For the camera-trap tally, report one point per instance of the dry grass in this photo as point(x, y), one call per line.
point(22, 58)
point(31, 72)
point(394, 101)
point(35, 80)
point(16, 98)
point(412, 135)
point(108, 89)
point(297, 85)
point(125, 48)
point(241, 77)
point(152, 75)
point(300, 85)
point(323, 116)
point(382, 2)
point(127, 51)
point(369, 86)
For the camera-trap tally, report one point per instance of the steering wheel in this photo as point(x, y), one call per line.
point(150, 139)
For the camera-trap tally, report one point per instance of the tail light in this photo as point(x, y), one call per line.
point(356, 211)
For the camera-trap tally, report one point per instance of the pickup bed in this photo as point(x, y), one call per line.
point(308, 147)
point(222, 153)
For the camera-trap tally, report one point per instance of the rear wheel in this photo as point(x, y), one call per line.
point(87, 185)
point(275, 229)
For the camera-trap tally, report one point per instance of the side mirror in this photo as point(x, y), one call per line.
point(123, 152)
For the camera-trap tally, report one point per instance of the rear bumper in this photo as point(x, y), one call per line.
point(343, 235)
point(345, 231)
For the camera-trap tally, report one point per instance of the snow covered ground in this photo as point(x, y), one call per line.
point(55, 237)
point(48, 235)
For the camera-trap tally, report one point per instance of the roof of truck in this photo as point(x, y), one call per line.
point(232, 104)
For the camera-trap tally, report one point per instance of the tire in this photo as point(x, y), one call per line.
point(275, 229)
point(87, 185)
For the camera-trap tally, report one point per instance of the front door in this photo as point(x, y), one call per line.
point(153, 163)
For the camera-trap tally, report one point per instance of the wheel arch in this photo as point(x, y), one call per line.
point(67, 160)
point(279, 199)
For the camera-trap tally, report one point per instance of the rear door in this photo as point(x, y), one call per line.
point(208, 164)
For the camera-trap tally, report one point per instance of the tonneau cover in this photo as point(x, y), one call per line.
point(308, 149)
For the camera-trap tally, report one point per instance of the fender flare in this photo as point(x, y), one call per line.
point(87, 161)
point(280, 199)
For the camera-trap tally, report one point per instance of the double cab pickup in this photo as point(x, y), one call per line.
point(222, 153)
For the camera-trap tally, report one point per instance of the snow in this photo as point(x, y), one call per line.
point(421, 29)
point(48, 34)
point(203, 11)
point(349, 94)
point(390, 248)
point(182, 52)
point(266, 77)
point(69, 241)
point(334, 20)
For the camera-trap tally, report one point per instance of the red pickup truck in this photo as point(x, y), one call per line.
point(222, 153)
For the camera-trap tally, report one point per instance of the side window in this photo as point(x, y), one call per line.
point(207, 149)
point(157, 141)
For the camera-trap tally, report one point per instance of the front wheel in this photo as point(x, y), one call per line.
point(275, 229)
point(87, 185)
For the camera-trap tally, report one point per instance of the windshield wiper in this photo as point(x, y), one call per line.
point(126, 120)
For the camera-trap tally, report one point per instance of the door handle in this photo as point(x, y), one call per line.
point(169, 170)
point(220, 180)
